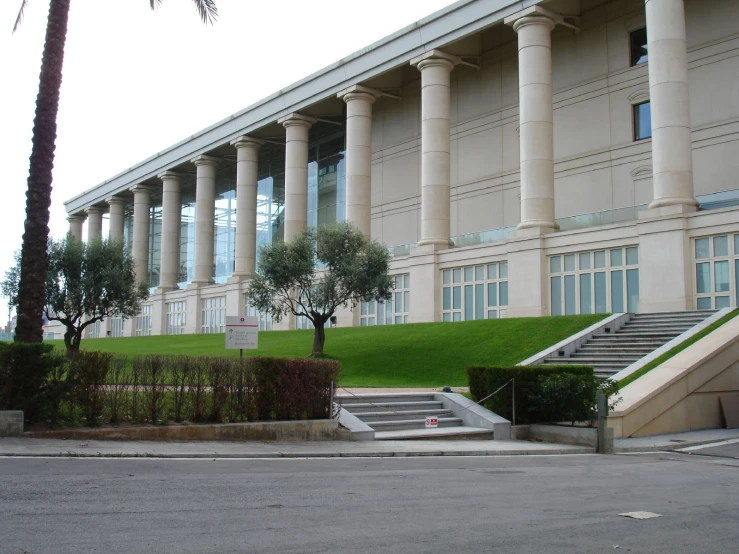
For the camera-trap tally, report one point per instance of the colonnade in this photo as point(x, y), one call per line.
point(671, 151)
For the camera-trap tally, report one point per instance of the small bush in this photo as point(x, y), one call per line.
point(24, 373)
point(91, 370)
point(544, 394)
point(118, 389)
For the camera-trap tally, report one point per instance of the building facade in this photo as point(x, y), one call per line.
point(518, 158)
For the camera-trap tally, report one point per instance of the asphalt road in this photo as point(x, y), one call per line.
point(497, 504)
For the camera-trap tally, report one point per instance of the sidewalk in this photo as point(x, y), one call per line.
point(673, 441)
point(330, 449)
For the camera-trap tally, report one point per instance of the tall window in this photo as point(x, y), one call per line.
point(595, 282)
point(642, 121)
point(213, 315)
point(265, 321)
point(176, 317)
point(638, 43)
point(475, 292)
point(155, 242)
point(143, 321)
point(93, 330)
point(716, 271)
point(388, 312)
point(116, 326)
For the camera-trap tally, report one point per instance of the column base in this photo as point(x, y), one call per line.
point(531, 231)
point(166, 288)
point(672, 209)
point(433, 245)
point(200, 284)
point(238, 278)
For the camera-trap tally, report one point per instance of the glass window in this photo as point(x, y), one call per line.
point(723, 302)
point(447, 276)
point(617, 291)
point(570, 300)
point(503, 293)
point(736, 245)
point(632, 256)
point(457, 275)
point(555, 264)
point(702, 249)
point(570, 262)
point(704, 303)
point(703, 277)
point(504, 270)
point(721, 246)
point(479, 273)
point(632, 290)
point(586, 304)
point(642, 121)
point(556, 295)
point(407, 281)
point(617, 257)
point(721, 276)
point(480, 301)
point(585, 260)
point(493, 271)
point(468, 274)
point(601, 296)
point(638, 43)
point(492, 294)
point(457, 294)
point(599, 258)
point(447, 298)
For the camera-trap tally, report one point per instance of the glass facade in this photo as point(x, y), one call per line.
point(186, 270)
point(475, 292)
point(116, 326)
point(155, 241)
point(270, 195)
point(388, 312)
point(224, 233)
point(327, 180)
point(213, 315)
point(599, 281)
point(716, 271)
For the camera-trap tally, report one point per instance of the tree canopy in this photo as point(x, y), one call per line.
point(85, 283)
point(317, 272)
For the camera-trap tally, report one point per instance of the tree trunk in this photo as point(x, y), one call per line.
point(319, 337)
point(38, 196)
point(72, 339)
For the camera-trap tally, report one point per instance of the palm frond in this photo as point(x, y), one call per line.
point(207, 10)
point(155, 4)
point(21, 13)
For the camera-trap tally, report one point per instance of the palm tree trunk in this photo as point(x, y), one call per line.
point(38, 196)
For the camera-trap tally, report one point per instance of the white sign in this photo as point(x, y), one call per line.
point(241, 332)
point(432, 422)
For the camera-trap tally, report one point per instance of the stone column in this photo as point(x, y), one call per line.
point(534, 27)
point(359, 102)
point(94, 223)
point(205, 209)
point(672, 148)
point(117, 218)
point(435, 68)
point(140, 242)
point(75, 225)
point(171, 222)
point(247, 160)
point(296, 172)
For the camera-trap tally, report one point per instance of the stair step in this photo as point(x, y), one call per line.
point(404, 424)
point(393, 406)
point(347, 399)
point(604, 357)
point(594, 365)
point(370, 417)
point(440, 433)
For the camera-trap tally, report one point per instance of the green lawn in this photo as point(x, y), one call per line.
point(416, 355)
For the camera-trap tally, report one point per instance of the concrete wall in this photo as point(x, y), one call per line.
point(683, 393)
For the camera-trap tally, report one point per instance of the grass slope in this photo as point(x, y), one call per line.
point(416, 355)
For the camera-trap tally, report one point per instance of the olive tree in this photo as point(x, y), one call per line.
point(85, 283)
point(317, 272)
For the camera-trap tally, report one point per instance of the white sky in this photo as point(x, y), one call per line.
point(137, 81)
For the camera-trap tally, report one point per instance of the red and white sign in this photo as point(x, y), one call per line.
point(241, 332)
point(432, 422)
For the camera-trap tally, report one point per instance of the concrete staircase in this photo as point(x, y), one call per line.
point(609, 353)
point(402, 416)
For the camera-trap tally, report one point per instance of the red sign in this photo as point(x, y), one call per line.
point(432, 422)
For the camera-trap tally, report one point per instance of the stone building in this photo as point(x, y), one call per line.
point(519, 158)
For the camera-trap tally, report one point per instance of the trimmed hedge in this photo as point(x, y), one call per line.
point(93, 387)
point(544, 394)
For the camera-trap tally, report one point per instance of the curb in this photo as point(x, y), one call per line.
point(294, 455)
point(663, 448)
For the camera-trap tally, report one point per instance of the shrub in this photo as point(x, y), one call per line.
point(91, 370)
point(24, 373)
point(540, 396)
point(118, 391)
point(152, 368)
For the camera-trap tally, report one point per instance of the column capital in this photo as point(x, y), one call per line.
point(202, 159)
point(170, 176)
point(94, 210)
point(297, 119)
point(534, 15)
point(76, 217)
point(141, 189)
point(435, 57)
point(356, 92)
point(245, 141)
point(115, 200)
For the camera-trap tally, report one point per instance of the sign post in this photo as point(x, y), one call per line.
point(241, 333)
